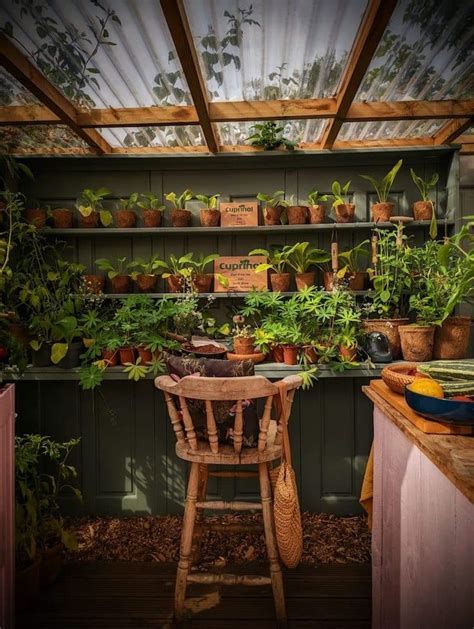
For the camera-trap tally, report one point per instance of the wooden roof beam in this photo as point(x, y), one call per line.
point(178, 25)
point(370, 33)
point(452, 130)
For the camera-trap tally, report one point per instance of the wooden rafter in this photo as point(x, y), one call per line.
point(175, 16)
point(370, 33)
point(24, 71)
point(452, 130)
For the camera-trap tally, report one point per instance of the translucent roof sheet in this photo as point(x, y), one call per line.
point(390, 129)
point(427, 53)
point(153, 136)
point(294, 130)
point(41, 139)
point(273, 49)
point(12, 92)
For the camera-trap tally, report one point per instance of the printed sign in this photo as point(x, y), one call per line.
point(237, 274)
point(244, 214)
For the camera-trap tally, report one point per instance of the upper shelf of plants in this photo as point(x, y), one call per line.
point(200, 76)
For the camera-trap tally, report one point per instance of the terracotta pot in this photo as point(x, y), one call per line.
point(382, 212)
point(175, 283)
point(147, 283)
point(26, 585)
point(36, 216)
point(272, 215)
point(180, 218)
point(423, 210)
point(452, 338)
point(280, 282)
point(244, 345)
point(209, 218)
point(345, 213)
point(124, 219)
point(152, 218)
point(94, 283)
point(62, 218)
point(89, 221)
point(110, 356)
point(278, 355)
point(389, 327)
point(120, 284)
point(202, 282)
point(348, 353)
point(127, 355)
point(51, 562)
point(417, 342)
point(304, 280)
point(290, 354)
point(316, 214)
point(145, 354)
point(311, 354)
point(297, 214)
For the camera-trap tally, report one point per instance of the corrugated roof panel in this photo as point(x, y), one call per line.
point(389, 130)
point(12, 92)
point(294, 130)
point(186, 135)
point(427, 53)
point(41, 139)
point(273, 49)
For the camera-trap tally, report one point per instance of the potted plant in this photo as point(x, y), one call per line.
point(145, 273)
point(423, 210)
point(125, 217)
point(383, 210)
point(269, 136)
point(301, 257)
point(296, 214)
point(62, 218)
point(67, 346)
point(417, 339)
point(343, 210)
point(202, 281)
point(94, 283)
point(350, 270)
point(178, 272)
point(273, 206)
point(209, 215)
point(316, 211)
point(152, 210)
point(277, 262)
point(117, 273)
point(180, 216)
point(243, 338)
point(91, 210)
point(36, 216)
point(346, 328)
point(293, 342)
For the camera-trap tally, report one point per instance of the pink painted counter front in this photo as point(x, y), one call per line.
point(423, 525)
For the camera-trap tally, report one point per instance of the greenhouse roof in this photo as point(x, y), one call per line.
point(193, 76)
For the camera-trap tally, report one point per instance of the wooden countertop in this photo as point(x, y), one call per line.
point(452, 454)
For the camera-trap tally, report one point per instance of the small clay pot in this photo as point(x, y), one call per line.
point(452, 339)
point(180, 218)
point(316, 214)
point(126, 355)
point(417, 342)
point(62, 218)
point(382, 212)
point(51, 562)
point(290, 354)
point(348, 353)
point(209, 218)
point(278, 355)
point(345, 213)
point(244, 345)
point(120, 284)
point(297, 214)
point(202, 282)
point(124, 219)
point(280, 282)
point(145, 354)
point(152, 218)
point(110, 356)
point(94, 283)
point(272, 215)
point(175, 283)
point(311, 354)
point(146, 283)
point(423, 210)
point(89, 221)
point(305, 280)
point(36, 216)
point(390, 328)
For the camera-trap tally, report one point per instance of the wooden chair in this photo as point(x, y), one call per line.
point(201, 454)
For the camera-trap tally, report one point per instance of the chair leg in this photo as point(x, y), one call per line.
point(186, 542)
point(270, 540)
point(198, 528)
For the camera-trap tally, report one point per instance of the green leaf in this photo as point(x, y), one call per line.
point(105, 217)
point(69, 540)
point(58, 352)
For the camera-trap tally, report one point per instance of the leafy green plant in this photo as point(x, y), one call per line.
point(128, 203)
point(113, 269)
point(203, 261)
point(136, 371)
point(211, 202)
point(277, 199)
point(340, 193)
point(182, 266)
point(351, 259)
point(382, 187)
point(314, 198)
point(277, 260)
point(308, 377)
point(145, 267)
point(179, 201)
point(424, 186)
point(149, 201)
point(269, 136)
point(65, 330)
point(90, 201)
point(301, 256)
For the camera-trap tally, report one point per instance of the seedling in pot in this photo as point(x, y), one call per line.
point(125, 216)
point(200, 279)
point(118, 273)
point(424, 210)
point(343, 209)
point(90, 207)
point(177, 271)
point(277, 261)
point(152, 209)
point(382, 211)
point(180, 216)
point(273, 206)
point(210, 215)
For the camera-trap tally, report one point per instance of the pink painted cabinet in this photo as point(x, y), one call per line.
point(7, 492)
point(422, 539)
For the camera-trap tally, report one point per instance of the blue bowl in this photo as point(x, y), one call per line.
point(441, 409)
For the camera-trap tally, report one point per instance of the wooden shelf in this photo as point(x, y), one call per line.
point(261, 229)
point(205, 295)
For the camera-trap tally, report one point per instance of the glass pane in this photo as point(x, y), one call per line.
point(153, 136)
point(426, 53)
point(295, 130)
point(132, 64)
point(391, 130)
point(268, 49)
point(41, 139)
point(12, 92)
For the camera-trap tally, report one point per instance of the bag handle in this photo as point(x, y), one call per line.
point(283, 403)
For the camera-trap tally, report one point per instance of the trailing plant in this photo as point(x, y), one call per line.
point(314, 198)
point(149, 201)
point(269, 136)
point(340, 193)
point(277, 199)
point(91, 201)
point(179, 201)
point(382, 187)
point(424, 186)
point(211, 202)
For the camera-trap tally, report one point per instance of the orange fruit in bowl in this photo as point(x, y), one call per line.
point(426, 386)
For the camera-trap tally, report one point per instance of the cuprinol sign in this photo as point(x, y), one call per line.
point(243, 214)
point(237, 274)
